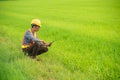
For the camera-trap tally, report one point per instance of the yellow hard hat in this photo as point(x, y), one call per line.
point(36, 22)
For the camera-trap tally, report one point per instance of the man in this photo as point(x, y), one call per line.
point(31, 45)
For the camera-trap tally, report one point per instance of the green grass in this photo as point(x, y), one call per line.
point(86, 34)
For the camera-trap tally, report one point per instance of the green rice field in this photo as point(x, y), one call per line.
point(86, 35)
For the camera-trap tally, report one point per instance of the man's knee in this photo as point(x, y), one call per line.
point(45, 49)
point(42, 49)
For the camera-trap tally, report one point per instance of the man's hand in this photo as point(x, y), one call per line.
point(43, 41)
point(45, 44)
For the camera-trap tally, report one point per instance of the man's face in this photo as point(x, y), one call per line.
point(36, 28)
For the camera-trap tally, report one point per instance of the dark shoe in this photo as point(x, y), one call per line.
point(32, 57)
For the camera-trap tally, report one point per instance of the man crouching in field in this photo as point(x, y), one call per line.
point(31, 45)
